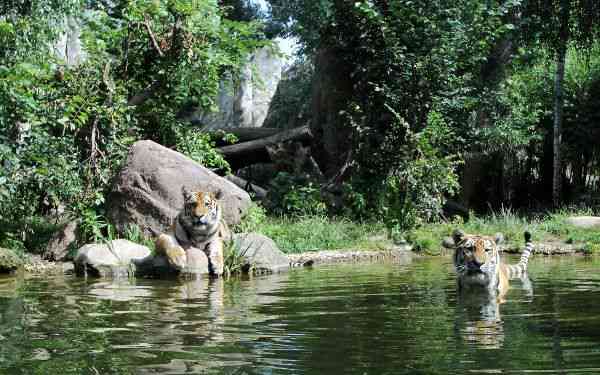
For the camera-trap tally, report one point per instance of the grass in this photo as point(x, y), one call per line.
point(551, 227)
point(294, 235)
point(308, 233)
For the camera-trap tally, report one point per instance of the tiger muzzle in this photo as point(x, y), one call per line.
point(474, 266)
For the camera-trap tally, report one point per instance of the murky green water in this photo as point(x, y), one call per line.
point(341, 319)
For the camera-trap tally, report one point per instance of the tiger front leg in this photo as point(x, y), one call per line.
point(167, 245)
point(214, 252)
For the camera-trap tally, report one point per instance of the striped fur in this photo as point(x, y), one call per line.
point(198, 227)
point(516, 271)
point(478, 264)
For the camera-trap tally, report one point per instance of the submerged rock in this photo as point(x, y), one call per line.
point(260, 252)
point(113, 259)
point(9, 261)
point(147, 191)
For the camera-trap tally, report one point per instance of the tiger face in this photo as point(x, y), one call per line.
point(201, 214)
point(476, 259)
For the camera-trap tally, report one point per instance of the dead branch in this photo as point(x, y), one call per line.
point(154, 42)
point(259, 192)
point(252, 152)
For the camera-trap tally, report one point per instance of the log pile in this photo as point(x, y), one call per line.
point(255, 151)
point(283, 150)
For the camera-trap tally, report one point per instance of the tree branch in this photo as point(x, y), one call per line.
point(154, 42)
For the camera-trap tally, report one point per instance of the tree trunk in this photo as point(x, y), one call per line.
point(558, 113)
point(561, 55)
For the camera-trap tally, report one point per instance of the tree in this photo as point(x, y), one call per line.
point(555, 24)
point(64, 129)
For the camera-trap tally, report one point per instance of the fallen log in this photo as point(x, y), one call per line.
point(247, 153)
point(243, 134)
point(258, 192)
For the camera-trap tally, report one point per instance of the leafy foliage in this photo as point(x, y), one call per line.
point(64, 129)
point(295, 195)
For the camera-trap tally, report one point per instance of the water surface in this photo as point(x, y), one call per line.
point(342, 319)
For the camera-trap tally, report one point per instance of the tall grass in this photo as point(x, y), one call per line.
point(294, 234)
point(550, 227)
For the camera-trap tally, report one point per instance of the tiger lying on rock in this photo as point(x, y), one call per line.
point(478, 265)
point(198, 227)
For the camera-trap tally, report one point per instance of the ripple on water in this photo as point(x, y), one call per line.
point(348, 318)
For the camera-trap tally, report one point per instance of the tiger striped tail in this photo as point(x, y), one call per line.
point(517, 270)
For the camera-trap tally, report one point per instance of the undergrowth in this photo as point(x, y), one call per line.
point(294, 234)
point(549, 227)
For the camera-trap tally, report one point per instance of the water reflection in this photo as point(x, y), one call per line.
point(350, 319)
point(479, 321)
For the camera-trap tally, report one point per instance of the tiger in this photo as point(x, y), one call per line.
point(199, 226)
point(478, 265)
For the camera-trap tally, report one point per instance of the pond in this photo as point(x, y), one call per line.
point(384, 318)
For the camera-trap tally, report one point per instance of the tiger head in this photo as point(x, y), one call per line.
point(476, 258)
point(201, 214)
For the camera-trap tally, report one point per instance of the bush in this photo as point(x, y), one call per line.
point(64, 130)
point(294, 195)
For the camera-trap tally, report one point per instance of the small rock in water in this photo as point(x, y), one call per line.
point(260, 252)
point(115, 258)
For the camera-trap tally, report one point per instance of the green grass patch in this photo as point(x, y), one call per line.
point(551, 227)
point(308, 233)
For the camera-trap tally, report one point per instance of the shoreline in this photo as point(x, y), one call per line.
point(347, 256)
point(402, 253)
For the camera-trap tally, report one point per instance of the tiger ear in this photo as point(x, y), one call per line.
point(219, 194)
point(458, 235)
point(187, 195)
point(499, 238)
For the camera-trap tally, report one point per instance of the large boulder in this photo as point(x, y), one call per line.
point(260, 252)
point(112, 259)
point(147, 191)
point(584, 221)
point(60, 244)
point(9, 261)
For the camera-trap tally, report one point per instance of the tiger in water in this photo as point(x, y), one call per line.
point(478, 265)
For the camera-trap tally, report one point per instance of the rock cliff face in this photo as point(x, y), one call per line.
point(246, 103)
point(68, 47)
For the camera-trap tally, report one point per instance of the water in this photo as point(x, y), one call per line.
point(341, 319)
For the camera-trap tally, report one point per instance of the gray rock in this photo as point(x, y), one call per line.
point(260, 252)
point(147, 191)
point(584, 221)
point(9, 261)
point(117, 258)
point(59, 245)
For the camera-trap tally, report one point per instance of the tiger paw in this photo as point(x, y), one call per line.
point(176, 257)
